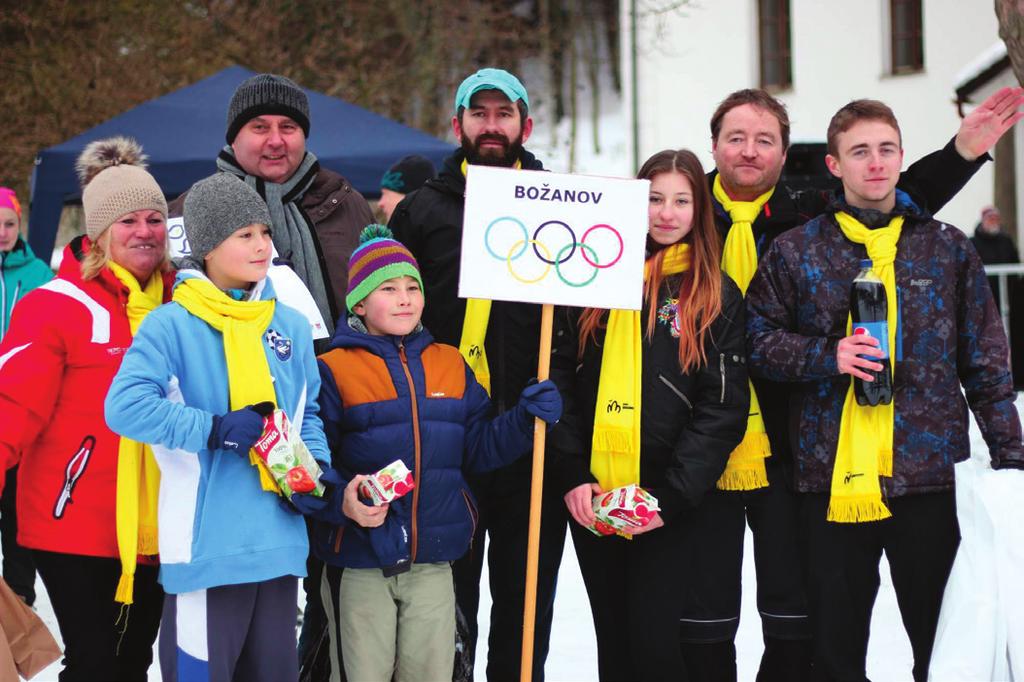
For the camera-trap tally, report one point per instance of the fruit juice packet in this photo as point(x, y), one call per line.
point(388, 484)
point(627, 507)
point(290, 462)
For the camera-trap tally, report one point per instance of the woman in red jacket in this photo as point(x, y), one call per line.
point(57, 361)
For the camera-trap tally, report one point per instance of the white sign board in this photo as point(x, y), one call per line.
point(539, 237)
point(288, 287)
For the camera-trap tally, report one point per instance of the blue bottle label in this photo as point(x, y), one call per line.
point(879, 330)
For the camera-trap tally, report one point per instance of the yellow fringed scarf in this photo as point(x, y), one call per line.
point(745, 469)
point(471, 344)
point(138, 476)
point(615, 447)
point(243, 324)
point(864, 450)
point(474, 326)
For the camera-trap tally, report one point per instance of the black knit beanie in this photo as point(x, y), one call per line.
point(267, 93)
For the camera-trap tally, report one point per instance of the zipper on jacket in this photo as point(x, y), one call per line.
point(337, 539)
point(721, 368)
point(416, 446)
point(14, 299)
point(671, 387)
point(3, 299)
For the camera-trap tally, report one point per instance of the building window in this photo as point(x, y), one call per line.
point(907, 41)
point(776, 60)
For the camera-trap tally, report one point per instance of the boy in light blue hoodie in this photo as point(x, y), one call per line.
point(191, 385)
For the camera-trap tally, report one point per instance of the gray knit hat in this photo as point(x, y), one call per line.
point(114, 183)
point(267, 93)
point(214, 208)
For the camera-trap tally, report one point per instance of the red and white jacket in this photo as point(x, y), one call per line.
point(64, 346)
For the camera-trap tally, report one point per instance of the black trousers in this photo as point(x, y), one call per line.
point(713, 585)
point(504, 508)
point(18, 570)
point(81, 589)
point(633, 587)
point(919, 540)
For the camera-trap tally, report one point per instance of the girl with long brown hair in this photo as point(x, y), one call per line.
point(658, 399)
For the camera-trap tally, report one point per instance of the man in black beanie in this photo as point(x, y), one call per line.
point(317, 214)
point(409, 173)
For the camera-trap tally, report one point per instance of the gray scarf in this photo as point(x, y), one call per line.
point(292, 231)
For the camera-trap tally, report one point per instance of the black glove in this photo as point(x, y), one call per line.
point(1008, 464)
point(328, 507)
point(542, 400)
point(240, 429)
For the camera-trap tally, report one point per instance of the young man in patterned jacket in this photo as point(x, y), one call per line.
point(874, 479)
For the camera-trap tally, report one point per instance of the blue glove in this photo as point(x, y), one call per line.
point(542, 400)
point(328, 507)
point(238, 430)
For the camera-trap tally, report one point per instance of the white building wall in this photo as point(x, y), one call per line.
point(689, 60)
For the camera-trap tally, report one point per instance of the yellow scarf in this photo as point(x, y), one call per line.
point(864, 451)
point(243, 324)
point(615, 448)
point(745, 469)
point(138, 476)
point(474, 326)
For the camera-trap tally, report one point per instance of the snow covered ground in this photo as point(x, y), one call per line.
point(573, 656)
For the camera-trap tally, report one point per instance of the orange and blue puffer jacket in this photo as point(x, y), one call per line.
point(385, 398)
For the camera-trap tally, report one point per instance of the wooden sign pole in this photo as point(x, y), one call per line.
point(536, 490)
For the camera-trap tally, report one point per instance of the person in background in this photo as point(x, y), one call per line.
point(408, 174)
point(20, 273)
point(65, 344)
point(993, 244)
point(316, 214)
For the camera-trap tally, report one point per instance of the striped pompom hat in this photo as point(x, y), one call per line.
point(378, 258)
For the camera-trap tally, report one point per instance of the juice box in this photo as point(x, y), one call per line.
point(289, 461)
point(388, 484)
point(627, 507)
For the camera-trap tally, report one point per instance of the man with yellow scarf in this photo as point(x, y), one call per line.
point(750, 138)
point(499, 340)
point(874, 479)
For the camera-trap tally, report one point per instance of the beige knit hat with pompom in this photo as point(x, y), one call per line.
point(115, 182)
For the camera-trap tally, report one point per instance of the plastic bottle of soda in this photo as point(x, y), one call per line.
point(869, 314)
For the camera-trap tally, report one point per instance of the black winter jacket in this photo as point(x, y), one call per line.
point(690, 422)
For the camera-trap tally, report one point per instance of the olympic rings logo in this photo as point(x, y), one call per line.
point(507, 239)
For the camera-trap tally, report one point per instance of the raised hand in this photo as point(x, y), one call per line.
point(982, 128)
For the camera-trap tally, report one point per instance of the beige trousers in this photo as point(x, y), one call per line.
point(402, 626)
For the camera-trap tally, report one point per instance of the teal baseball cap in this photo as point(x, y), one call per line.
point(490, 79)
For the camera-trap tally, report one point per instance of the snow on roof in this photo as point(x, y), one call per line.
point(981, 69)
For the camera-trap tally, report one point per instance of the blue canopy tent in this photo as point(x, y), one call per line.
point(183, 131)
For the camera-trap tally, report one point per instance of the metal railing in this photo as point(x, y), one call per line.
point(1003, 273)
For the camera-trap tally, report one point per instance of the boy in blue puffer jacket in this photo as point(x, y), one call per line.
point(191, 385)
point(389, 392)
